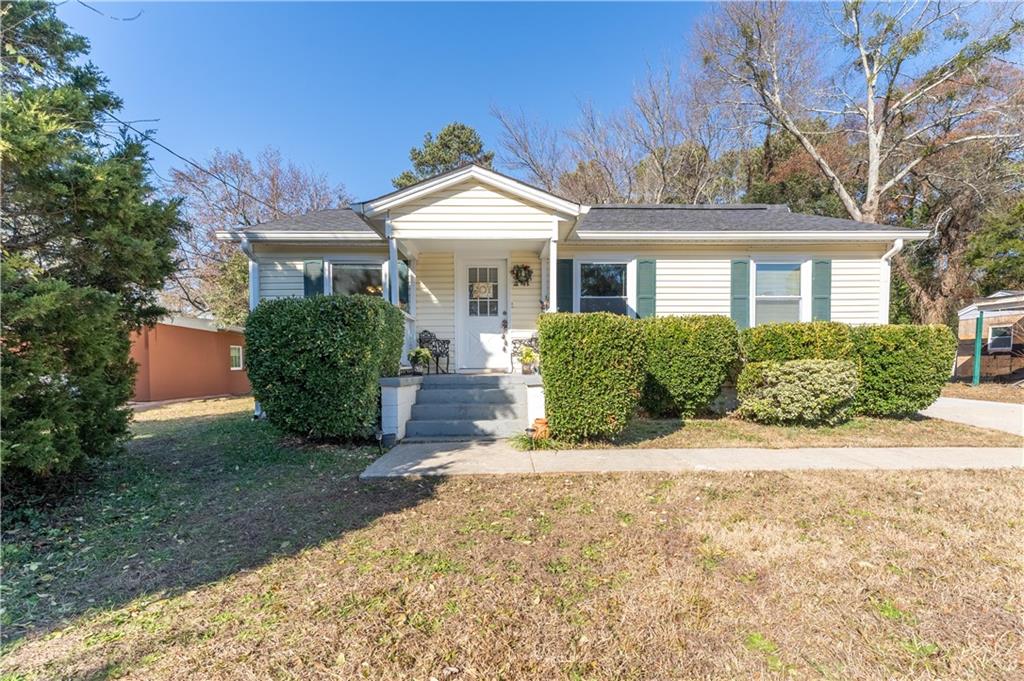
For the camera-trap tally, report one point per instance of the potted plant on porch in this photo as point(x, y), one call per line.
point(528, 358)
point(419, 357)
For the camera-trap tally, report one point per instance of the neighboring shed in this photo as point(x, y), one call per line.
point(1002, 336)
point(182, 357)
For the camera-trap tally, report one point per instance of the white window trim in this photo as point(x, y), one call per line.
point(1000, 350)
point(379, 260)
point(805, 282)
point(605, 259)
point(241, 358)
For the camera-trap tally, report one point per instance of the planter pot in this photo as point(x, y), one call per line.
point(527, 369)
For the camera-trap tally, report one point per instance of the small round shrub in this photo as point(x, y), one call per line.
point(315, 363)
point(799, 392)
point(903, 367)
point(688, 361)
point(593, 370)
point(798, 340)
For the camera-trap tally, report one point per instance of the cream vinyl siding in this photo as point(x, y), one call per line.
point(856, 290)
point(695, 279)
point(525, 300)
point(470, 209)
point(281, 278)
point(435, 297)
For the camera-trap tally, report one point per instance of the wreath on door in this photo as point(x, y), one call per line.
point(522, 275)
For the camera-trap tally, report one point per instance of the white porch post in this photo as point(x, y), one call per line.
point(412, 287)
point(553, 276)
point(392, 282)
point(254, 300)
point(254, 284)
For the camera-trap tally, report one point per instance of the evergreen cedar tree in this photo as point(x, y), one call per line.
point(87, 246)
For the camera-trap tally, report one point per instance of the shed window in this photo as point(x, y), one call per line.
point(237, 358)
point(1000, 339)
point(604, 287)
point(777, 290)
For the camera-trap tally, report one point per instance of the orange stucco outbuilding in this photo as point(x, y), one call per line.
point(183, 357)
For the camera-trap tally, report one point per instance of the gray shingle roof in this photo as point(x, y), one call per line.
point(711, 218)
point(332, 220)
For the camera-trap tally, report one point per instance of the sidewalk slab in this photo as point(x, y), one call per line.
point(449, 458)
point(499, 458)
point(1003, 416)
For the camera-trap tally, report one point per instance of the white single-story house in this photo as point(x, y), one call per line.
point(474, 256)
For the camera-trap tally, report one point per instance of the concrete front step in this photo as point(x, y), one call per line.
point(472, 411)
point(470, 381)
point(461, 427)
point(508, 395)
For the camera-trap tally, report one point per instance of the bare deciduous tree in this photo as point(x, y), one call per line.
point(899, 64)
point(664, 148)
point(271, 188)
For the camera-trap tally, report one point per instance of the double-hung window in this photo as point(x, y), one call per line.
point(237, 357)
point(604, 287)
point(778, 292)
point(1000, 339)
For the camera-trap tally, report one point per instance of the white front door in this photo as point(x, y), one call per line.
point(482, 315)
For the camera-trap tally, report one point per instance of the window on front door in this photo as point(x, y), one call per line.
point(483, 292)
point(603, 288)
point(777, 290)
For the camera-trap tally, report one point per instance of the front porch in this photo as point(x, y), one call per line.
point(469, 298)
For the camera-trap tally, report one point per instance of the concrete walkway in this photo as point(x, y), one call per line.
point(497, 458)
point(995, 415)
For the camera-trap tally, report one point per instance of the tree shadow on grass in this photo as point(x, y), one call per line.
point(190, 502)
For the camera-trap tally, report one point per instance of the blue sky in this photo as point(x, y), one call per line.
point(348, 88)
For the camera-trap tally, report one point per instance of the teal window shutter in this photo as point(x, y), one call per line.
point(739, 307)
point(313, 278)
point(646, 287)
point(563, 283)
point(821, 290)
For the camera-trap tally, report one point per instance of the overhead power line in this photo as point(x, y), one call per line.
point(149, 138)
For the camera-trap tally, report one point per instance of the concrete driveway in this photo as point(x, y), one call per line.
point(1002, 416)
point(498, 458)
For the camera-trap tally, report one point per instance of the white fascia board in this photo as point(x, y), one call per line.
point(372, 208)
point(297, 236)
point(603, 235)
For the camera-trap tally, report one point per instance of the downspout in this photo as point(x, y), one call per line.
point(254, 299)
point(886, 283)
point(897, 246)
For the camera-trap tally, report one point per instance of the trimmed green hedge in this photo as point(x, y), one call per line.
point(315, 363)
point(903, 367)
point(800, 340)
point(593, 367)
point(688, 361)
point(803, 391)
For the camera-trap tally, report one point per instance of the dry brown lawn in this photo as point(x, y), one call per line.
point(301, 571)
point(858, 432)
point(990, 392)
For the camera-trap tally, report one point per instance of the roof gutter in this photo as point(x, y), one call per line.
point(295, 236)
point(670, 237)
